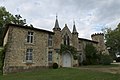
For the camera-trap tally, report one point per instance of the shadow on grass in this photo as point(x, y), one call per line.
point(61, 74)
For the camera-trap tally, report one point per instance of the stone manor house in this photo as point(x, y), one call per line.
point(28, 47)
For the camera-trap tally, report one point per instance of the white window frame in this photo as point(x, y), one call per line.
point(50, 56)
point(50, 41)
point(29, 55)
point(30, 37)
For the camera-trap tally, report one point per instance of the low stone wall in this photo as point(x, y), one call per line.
point(15, 69)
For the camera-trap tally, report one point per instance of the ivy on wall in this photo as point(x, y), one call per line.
point(71, 49)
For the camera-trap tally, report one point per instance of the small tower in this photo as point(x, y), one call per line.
point(57, 35)
point(75, 36)
point(99, 37)
point(56, 41)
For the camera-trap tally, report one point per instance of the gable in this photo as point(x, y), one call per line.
point(66, 31)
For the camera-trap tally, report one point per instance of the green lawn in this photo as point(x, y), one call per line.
point(61, 74)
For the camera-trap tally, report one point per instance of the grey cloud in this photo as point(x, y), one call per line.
point(109, 11)
point(88, 14)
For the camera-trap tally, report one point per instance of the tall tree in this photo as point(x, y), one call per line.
point(91, 54)
point(112, 38)
point(5, 18)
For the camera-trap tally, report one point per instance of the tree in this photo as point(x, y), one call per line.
point(91, 54)
point(5, 18)
point(112, 38)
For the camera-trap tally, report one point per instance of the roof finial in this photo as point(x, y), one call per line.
point(56, 27)
point(73, 22)
point(56, 15)
point(74, 28)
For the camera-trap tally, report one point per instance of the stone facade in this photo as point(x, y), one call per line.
point(16, 46)
point(45, 47)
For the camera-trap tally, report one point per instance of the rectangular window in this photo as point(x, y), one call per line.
point(30, 37)
point(80, 47)
point(50, 40)
point(50, 56)
point(29, 54)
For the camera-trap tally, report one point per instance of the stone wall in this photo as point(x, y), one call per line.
point(17, 46)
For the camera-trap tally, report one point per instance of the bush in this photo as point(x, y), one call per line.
point(55, 65)
point(106, 59)
point(85, 62)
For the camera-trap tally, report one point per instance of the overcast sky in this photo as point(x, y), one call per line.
point(90, 16)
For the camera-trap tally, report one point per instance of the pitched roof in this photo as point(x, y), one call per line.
point(88, 40)
point(25, 27)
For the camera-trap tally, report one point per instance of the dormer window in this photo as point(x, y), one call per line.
point(30, 37)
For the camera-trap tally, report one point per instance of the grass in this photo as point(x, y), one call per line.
point(101, 66)
point(61, 74)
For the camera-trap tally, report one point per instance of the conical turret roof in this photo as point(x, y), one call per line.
point(56, 27)
point(74, 28)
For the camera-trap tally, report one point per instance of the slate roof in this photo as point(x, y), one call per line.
point(88, 40)
point(27, 27)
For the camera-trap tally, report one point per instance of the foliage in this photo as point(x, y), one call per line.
point(55, 65)
point(112, 38)
point(5, 18)
point(1, 58)
point(65, 48)
point(61, 74)
point(91, 54)
point(106, 59)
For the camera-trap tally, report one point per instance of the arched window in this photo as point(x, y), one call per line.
point(66, 40)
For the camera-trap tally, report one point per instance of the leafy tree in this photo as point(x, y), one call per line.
point(91, 54)
point(112, 38)
point(5, 18)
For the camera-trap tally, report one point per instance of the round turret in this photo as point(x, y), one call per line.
point(97, 34)
point(99, 37)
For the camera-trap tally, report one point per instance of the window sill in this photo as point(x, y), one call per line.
point(50, 61)
point(50, 47)
point(30, 43)
point(28, 62)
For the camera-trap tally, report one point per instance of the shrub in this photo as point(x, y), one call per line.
point(106, 60)
point(85, 62)
point(55, 65)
